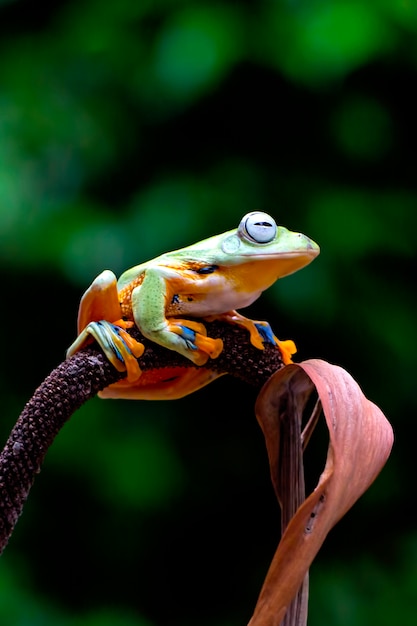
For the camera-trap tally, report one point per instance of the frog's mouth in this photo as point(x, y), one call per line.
point(271, 267)
point(289, 262)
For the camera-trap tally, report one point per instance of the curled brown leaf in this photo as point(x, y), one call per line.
point(360, 441)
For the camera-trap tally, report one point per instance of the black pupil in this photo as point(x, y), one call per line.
point(266, 224)
point(207, 269)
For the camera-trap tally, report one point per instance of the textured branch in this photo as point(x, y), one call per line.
point(77, 380)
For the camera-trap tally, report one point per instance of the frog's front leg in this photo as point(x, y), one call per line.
point(260, 333)
point(189, 338)
point(99, 318)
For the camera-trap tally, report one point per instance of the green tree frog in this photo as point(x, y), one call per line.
point(205, 281)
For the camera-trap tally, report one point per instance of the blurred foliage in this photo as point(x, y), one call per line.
point(131, 128)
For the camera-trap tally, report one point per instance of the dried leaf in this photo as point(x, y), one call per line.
point(360, 441)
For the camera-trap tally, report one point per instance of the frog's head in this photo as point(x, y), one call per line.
point(259, 238)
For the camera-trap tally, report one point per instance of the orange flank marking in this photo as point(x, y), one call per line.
point(125, 295)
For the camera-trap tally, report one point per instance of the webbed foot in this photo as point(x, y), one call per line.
point(120, 348)
point(168, 383)
point(101, 303)
point(260, 333)
point(192, 341)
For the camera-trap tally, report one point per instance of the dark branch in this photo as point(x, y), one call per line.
point(77, 380)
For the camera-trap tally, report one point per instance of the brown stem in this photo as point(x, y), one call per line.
point(77, 380)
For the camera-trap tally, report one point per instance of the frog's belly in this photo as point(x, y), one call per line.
point(199, 305)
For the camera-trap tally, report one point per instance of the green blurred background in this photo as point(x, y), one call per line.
point(129, 128)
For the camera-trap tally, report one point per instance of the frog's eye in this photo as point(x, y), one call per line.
point(258, 227)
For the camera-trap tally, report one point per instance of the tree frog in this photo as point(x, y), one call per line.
point(205, 281)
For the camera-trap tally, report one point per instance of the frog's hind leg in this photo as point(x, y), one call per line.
point(260, 333)
point(99, 318)
point(100, 301)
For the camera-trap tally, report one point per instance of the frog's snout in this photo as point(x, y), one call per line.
point(311, 245)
